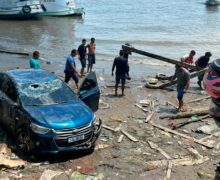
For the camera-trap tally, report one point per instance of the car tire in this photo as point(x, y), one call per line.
point(24, 141)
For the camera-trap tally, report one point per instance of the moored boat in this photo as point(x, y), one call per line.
point(212, 2)
point(16, 9)
point(61, 8)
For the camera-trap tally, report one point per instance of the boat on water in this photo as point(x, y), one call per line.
point(212, 2)
point(16, 9)
point(61, 8)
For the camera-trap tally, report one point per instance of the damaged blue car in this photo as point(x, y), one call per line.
point(45, 115)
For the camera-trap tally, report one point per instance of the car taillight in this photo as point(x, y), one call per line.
point(211, 75)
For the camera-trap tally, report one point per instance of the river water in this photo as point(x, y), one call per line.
point(169, 28)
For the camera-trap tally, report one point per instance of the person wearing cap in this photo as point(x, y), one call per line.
point(202, 63)
point(35, 60)
point(183, 80)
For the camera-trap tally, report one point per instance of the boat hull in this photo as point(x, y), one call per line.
point(212, 3)
point(69, 12)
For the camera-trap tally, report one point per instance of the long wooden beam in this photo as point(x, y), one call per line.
point(155, 56)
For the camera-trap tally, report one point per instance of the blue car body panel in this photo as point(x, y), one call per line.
point(61, 116)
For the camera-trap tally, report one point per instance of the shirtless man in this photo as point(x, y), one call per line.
point(91, 55)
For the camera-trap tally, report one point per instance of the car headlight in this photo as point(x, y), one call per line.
point(39, 129)
point(94, 120)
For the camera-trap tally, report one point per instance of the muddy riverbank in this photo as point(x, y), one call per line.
point(127, 159)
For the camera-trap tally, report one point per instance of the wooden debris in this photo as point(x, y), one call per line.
point(109, 128)
point(199, 112)
point(14, 52)
point(169, 169)
point(101, 146)
point(149, 117)
point(143, 109)
point(11, 163)
point(120, 138)
point(152, 105)
point(204, 174)
point(154, 146)
point(179, 125)
point(170, 103)
point(182, 135)
point(199, 99)
point(145, 102)
point(178, 162)
point(194, 153)
point(129, 136)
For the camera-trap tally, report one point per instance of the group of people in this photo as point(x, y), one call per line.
point(182, 74)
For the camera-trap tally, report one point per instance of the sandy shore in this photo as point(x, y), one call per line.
point(128, 159)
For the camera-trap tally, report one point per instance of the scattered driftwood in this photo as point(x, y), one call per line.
point(129, 136)
point(182, 135)
point(14, 52)
point(169, 169)
point(199, 99)
point(178, 162)
point(143, 109)
point(179, 125)
point(154, 146)
point(152, 105)
point(110, 128)
point(11, 163)
point(194, 153)
point(170, 103)
point(199, 112)
point(149, 116)
point(120, 138)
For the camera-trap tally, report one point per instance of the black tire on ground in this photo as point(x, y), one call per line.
point(24, 141)
point(26, 9)
point(161, 76)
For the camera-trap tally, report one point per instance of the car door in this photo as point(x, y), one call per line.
point(8, 105)
point(89, 92)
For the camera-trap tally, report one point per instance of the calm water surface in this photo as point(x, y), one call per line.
point(170, 28)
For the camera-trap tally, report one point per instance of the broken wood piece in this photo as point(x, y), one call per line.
point(14, 52)
point(179, 125)
point(170, 103)
point(101, 146)
point(154, 146)
point(11, 163)
point(109, 128)
point(149, 117)
point(152, 105)
point(169, 169)
point(182, 135)
point(199, 112)
point(129, 136)
point(120, 138)
point(194, 153)
point(199, 99)
point(145, 102)
point(143, 109)
point(178, 162)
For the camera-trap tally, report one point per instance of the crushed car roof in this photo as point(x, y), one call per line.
point(25, 76)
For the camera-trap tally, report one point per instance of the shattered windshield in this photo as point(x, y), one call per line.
point(45, 93)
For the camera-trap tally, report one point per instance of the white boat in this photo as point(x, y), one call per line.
point(61, 8)
point(13, 9)
point(212, 2)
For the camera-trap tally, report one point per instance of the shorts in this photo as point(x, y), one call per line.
point(91, 58)
point(69, 75)
point(121, 78)
point(180, 92)
point(83, 62)
point(200, 77)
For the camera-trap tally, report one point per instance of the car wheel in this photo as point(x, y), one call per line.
point(23, 141)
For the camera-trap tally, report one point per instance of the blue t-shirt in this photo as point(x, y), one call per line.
point(70, 60)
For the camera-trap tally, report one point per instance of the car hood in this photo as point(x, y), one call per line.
point(61, 116)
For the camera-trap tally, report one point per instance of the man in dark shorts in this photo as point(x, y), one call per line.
point(82, 55)
point(91, 56)
point(70, 69)
point(183, 80)
point(126, 55)
point(121, 68)
point(202, 63)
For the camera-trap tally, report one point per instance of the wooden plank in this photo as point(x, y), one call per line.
point(199, 112)
point(149, 117)
point(143, 109)
point(169, 169)
point(154, 146)
point(180, 134)
point(129, 136)
point(108, 128)
point(14, 52)
point(199, 99)
point(120, 138)
point(155, 56)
